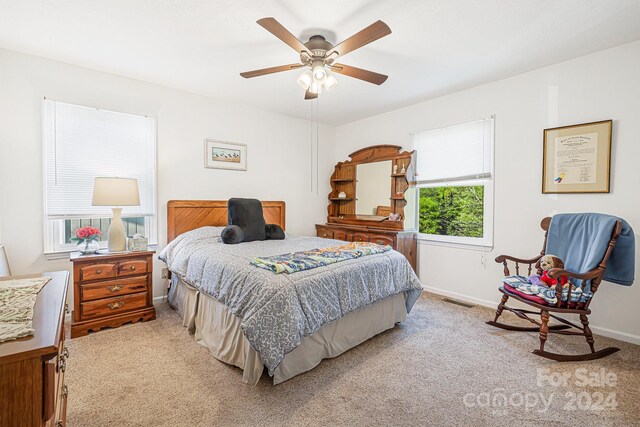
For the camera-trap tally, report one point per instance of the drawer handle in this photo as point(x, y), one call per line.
point(65, 391)
point(115, 288)
point(98, 271)
point(115, 305)
point(380, 242)
point(133, 267)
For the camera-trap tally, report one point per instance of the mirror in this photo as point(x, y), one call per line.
point(373, 188)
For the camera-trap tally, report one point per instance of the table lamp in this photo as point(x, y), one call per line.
point(4, 263)
point(116, 192)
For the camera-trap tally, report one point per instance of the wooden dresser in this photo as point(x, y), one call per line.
point(367, 200)
point(111, 289)
point(32, 389)
point(402, 241)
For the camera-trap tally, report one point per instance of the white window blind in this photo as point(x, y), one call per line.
point(81, 143)
point(460, 152)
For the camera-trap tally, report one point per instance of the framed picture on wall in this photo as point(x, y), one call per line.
point(225, 155)
point(577, 158)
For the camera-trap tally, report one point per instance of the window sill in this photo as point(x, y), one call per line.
point(469, 246)
point(52, 256)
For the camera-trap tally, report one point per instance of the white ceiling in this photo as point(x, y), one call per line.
point(437, 46)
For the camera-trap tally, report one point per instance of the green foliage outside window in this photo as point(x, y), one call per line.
point(452, 211)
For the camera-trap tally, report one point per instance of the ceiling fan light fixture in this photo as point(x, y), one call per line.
point(319, 73)
point(315, 87)
point(305, 79)
point(330, 82)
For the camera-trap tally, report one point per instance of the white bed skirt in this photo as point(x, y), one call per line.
point(217, 329)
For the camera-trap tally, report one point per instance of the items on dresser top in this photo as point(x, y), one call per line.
point(110, 290)
point(32, 389)
point(17, 298)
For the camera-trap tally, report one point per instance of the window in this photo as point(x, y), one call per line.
point(81, 143)
point(454, 183)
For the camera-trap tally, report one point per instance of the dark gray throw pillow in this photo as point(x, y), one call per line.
point(247, 214)
point(273, 232)
point(232, 234)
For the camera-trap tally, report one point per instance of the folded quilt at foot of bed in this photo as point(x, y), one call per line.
point(306, 260)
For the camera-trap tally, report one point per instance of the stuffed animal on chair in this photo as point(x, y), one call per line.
point(547, 262)
point(246, 223)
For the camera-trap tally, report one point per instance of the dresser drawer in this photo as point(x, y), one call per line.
point(382, 240)
point(111, 306)
point(324, 232)
point(112, 288)
point(98, 271)
point(135, 266)
point(340, 235)
point(360, 237)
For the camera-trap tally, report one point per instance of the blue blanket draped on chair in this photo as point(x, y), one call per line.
point(581, 240)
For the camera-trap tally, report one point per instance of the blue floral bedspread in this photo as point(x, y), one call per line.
point(314, 258)
point(278, 310)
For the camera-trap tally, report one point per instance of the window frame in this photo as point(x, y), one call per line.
point(54, 246)
point(486, 241)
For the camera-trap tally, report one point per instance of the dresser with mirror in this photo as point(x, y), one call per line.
point(369, 201)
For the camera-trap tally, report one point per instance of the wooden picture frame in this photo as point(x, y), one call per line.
point(225, 155)
point(577, 158)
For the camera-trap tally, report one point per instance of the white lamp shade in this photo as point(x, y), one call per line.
point(315, 87)
point(115, 192)
point(4, 263)
point(330, 82)
point(319, 73)
point(305, 79)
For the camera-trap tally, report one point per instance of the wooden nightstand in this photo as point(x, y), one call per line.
point(111, 289)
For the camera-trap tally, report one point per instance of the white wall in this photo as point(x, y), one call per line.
point(279, 153)
point(601, 86)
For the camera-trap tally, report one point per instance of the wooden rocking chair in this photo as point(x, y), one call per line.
point(580, 308)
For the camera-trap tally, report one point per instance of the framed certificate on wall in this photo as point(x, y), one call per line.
point(577, 158)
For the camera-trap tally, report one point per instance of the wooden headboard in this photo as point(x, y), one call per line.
point(186, 215)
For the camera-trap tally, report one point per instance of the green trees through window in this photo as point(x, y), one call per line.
point(452, 211)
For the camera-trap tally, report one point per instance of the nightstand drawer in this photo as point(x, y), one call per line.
point(112, 288)
point(129, 268)
point(98, 271)
point(111, 306)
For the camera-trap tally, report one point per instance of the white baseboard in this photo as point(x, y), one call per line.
point(159, 300)
point(605, 332)
point(461, 297)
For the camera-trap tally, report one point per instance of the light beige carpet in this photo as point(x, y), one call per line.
point(444, 366)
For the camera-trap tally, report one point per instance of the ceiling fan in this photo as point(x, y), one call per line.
point(319, 55)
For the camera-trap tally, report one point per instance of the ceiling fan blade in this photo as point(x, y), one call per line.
point(359, 73)
point(262, 72)
point(370, 34)
point(310, 95)
point(275, 28)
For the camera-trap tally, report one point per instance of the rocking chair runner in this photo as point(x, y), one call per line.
point(580, 308)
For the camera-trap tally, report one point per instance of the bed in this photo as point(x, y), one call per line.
point(285, 323)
